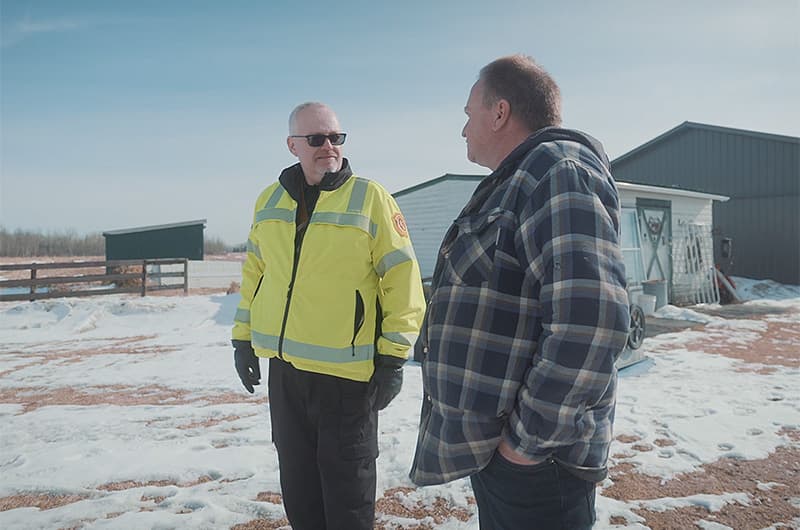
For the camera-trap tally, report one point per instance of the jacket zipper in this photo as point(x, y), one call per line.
point(288, 300)
point(298, 245)
point(358, 321)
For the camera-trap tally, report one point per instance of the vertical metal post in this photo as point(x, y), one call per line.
point(144, 277)
point(185, 276)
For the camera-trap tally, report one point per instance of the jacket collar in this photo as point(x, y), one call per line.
point(551, 134)
point(292, 178)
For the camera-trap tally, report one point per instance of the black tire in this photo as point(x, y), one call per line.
point(637, 329)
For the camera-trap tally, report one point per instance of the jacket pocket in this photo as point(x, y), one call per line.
point(358, 320)
point(358, 429)
point(469, 257)
point(253, 300)
point(258, 286)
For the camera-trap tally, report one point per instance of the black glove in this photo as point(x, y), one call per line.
point(387, 380)
point(246, 364)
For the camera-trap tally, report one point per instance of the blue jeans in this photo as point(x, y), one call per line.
point(543, 496)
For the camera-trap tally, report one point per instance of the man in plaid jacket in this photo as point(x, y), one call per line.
point(527, 314)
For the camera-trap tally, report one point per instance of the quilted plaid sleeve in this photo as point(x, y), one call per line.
point(568, 241)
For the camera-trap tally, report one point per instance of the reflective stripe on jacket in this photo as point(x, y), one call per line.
point(320, 311)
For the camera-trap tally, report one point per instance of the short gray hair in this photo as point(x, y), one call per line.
point(301, 107)
point(533, 95)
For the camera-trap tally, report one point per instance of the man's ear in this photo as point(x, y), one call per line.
point(501, 113)
point(290, 145)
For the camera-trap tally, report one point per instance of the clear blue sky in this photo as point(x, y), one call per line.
point(117, 114)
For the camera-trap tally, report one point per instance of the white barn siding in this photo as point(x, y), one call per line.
point(431, 207)
point(429, 212)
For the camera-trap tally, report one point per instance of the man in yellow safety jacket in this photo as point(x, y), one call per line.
point(332, 295)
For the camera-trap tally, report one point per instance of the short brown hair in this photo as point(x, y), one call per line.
point(533, 95)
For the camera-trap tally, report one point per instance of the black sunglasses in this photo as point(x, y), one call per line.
point(316, 140)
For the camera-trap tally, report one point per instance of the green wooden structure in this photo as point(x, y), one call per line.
point(176, 240)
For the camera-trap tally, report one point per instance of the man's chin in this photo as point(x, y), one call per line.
point(331, 168)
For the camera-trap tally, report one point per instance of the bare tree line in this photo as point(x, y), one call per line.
point(27, 243)
point(215, 245)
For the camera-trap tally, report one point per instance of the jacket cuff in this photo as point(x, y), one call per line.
point(389, 361)
point(242, 344)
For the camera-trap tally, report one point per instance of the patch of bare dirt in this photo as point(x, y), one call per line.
point(627, 438)
point(778, 345)
point(210, 422)
point(157, 499)
point(32, 398)
point(760, 370)
point(78, 526)
point(617, 520)
point(791, 433)
point(130, 484)
point(43, 501)
point(664, 442)
point(270, 497)
point(12, 370)
point(395, 502)
point(263, 524)
point(73, 351)
point(732, 515)
point(770, 483)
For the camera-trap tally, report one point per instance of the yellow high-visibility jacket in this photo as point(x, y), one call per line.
point(317, 307)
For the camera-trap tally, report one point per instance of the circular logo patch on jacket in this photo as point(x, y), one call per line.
point(400, 224)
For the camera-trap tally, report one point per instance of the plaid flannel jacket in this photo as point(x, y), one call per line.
point(528, 313)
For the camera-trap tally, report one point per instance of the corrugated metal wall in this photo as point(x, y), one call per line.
point(759, 172)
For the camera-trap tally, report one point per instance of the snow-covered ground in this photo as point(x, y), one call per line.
point(128, 413)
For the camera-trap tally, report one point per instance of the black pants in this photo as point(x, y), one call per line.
point(326, 434)
point(540, 497)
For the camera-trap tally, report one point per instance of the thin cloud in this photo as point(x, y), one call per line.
point(48, 26)
point(26, 28)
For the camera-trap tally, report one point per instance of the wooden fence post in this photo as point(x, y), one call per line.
point(144, 277)
point(185, 276)
point(33, 285)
